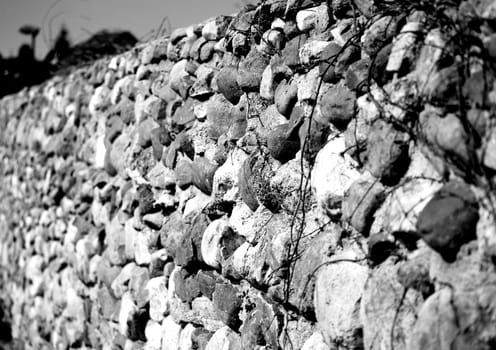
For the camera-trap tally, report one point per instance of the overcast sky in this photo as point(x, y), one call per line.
point(83, 17)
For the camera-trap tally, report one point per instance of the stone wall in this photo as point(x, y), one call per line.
point(302, 175)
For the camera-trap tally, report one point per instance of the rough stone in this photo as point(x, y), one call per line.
point(360, 202)
point(228, 85)
point(455, 310)
point(449, 219)
point(332, 175)
point(225, 339)
point(251, 70)
point(378, 34)
point(387, 152)
point(338, 290)
point(227, 301)
point(338, 106)
point(219, 242)
point(285, 97)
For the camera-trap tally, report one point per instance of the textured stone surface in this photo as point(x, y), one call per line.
point(449, 219)
point(302, 174)
point(338, 291)
point(333, 174)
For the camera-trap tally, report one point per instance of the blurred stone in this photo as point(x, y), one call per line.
point(251, 70)
point(338, 290)
point(332, 174)
point(225, 339)
point(360, 202)
point(449, 219)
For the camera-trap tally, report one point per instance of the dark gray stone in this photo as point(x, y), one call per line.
point(449, 220)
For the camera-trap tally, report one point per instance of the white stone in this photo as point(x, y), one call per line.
point(267, 84)
point(305, 19)
point(315, 342)
point(171, 332)
point(384, 306)
point(333, 173)
point(139, 108)
point(93, 268)
point(195, 205)
point(206, 313)
point(119, 285)
point(186, 337)
point(99, 100)
point(114, 63)
point(211, 30)
point(247, 263)
point(224, 339)
point(143, 243)
point(430, 54)
point(161, 177)
point(240, 218)
point(308, 85)
point(338, 289)
point(313, 18)
point(403, 45)
point(272, 40)
point(157, 296)
point(225, 184)
point(178, 73)
point(489, 155)
point(127, 308)
point(401, 208)
point(200, 111)
point(210, 246)
point(220, 46)
point(153, 334)
point(277, 23)
point(311, 51)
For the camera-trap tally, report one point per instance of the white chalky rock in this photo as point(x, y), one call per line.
point(127, 308)
point(99, 99)
point(333, 173)
point(186, 337)
point(312, 50)
point(120, 283)
point(195, 205)
point(272, 40)
point(114, 63)
point(401, 208)
point(225, 185)
point(305, 19)
point(210, 246)
point(403, 45)
point(240, 218)
point(100, 151)
point(171, 332)
point(267, 84)
point(153, 334)
point(313, 18)
point(144, 241)
point(308, 85)
point(215, 28)
point(277, 23)
point(157, 294)
point(315, 342)
point(224, 339)
point(338, 290)
point(139, 108)
point(200, 111)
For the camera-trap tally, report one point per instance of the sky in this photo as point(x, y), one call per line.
point(84, 17)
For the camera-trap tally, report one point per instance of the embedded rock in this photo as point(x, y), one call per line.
point(449, 219)
point(338, 290)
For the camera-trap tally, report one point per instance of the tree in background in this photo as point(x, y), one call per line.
point(33, 32)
